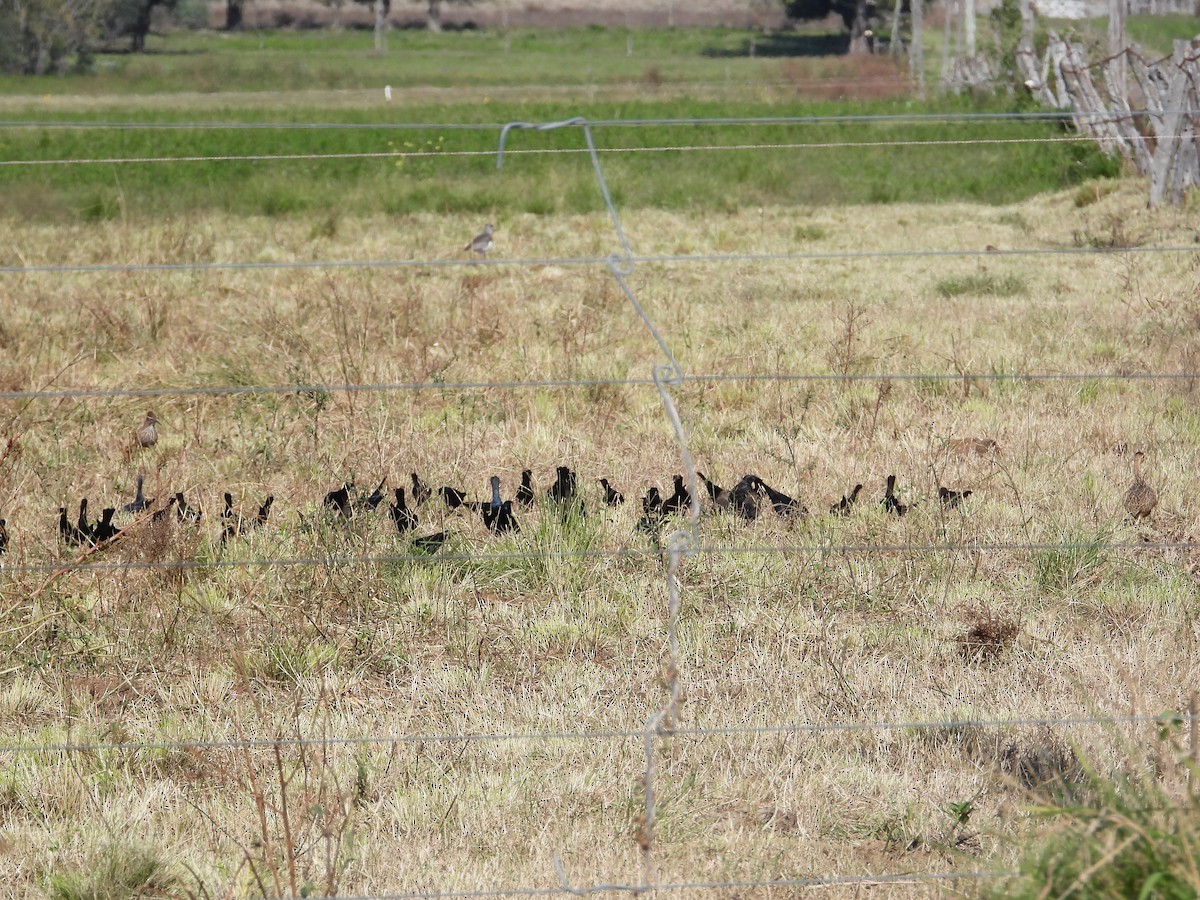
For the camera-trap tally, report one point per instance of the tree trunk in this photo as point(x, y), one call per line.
point(433, 16)
point(859, 42)
point(382, 8)
point(894, 40)
point(916, 49)
point(1116, 47)
point(233, 15)
point(969, 27)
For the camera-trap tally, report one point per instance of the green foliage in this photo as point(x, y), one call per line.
point(981, 284)
point(121, 872)
point(1120, 834)
point(41, 36)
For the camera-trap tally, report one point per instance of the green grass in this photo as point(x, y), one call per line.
point(725, 180)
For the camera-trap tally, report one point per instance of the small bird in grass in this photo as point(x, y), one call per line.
point(1140, 499)
point(743, 498)
point(370, 503)
point(564, 492)
point(160, 515)
point(3, 536)
point(652, 512)
point(139, 502)
point(719, 496)
point(482, 242)
point(889, 502)
point(82, 525)
point(680, 501)
point(498, 515)
point(783, 505)
point(430, 543)
point(420, 491)
point(234, 525)
point(525, 495)
point(264, 511)
point(104, 530)
point(950, 499)
point(339, 500)
point(186, 513)
point(612, 497)
point(453, 496)
point(146, 434)
point(405, 518)
point(68, 532)
point(843, 506)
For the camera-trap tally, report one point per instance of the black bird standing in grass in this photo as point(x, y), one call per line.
point(264, 511)
point(783, 505)
point(743, 498)
point(405, 518)
point(140, 503)
point(68, 532)
point(376, 496)
point(3, 536)
point(491, 510)
point(950, 499)
point(564, 493)
point(81, 525)
point(719, 496)
point(680, 501)
point(104, 530)
point(612, 497)
point(454, 498)
point(843, 506)
point(160, 515)
point(889, 502)
point(185, 513)
point(339, 500)
point(420, 491)
point(652, 512)
point(525, 495)
point(430, 543)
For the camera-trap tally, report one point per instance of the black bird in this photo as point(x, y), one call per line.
point(405, 518)
point(3, 536)
point(231, 522)
point(743, 498)
point(430, 543)
point(186, 513)
point(525, 495)
point(680, 501)
point(612, 497)
point(784, 505)
point(339, 500)
point(843, 506)
point(376, 497)
point(564, 493)
point(718, 494)
point(889, 502)
point(160, 515)
point(491, 510)
point(68, 532)
point(950, 499)
point(139, 502)
point(81, 525)
point(506, 522)
point(104, 530)
point(454, 498)
point(264, 510)
point(652, 512)
point(420, 491)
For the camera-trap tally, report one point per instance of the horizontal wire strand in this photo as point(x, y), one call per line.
point(664, 259)
point(696, 731)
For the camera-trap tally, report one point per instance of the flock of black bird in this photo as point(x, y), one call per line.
point(748, 499)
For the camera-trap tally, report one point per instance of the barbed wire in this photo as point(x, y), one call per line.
point(816, 549)
point(233, 390)
point(687, 121)
point(569, 151)
point(699, 732)
point(570, 261)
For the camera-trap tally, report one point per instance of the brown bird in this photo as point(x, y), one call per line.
point(1140, 499)
point(147, 433)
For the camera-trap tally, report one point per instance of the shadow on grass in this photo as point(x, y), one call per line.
point(775, 45)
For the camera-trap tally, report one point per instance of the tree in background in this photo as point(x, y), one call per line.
point(40, 36)
point(856, 14)
point(233, 14)
point(132, 17)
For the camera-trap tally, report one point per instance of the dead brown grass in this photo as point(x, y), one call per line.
point(540, 644)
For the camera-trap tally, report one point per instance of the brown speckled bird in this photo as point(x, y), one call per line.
point(1140, 499)
point(147, 432)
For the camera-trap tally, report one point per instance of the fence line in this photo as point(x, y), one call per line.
point(666, 259)
point(567, 383)
point(852, 119)
point(1178, 719)
point(818, 549)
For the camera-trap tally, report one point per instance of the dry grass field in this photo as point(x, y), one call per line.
point(1047, 605)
